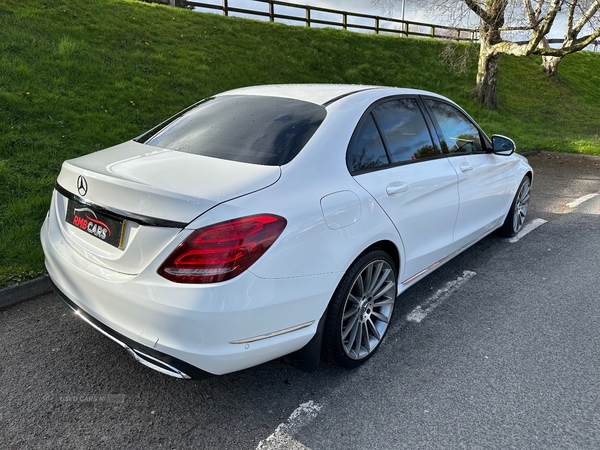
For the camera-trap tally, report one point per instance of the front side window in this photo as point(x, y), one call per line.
point(253, 129)
point(459, 133)
point(405, 130)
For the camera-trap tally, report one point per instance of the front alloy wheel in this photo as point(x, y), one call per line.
point(518, 211)
point(361, 310)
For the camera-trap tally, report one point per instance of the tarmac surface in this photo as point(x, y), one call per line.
point(499, 348)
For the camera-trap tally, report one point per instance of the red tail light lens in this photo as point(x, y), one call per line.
point(222, 251)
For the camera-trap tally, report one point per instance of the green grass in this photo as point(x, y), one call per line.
point(80, 75)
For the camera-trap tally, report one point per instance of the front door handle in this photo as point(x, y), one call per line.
point(396, 188)
point(466, 167)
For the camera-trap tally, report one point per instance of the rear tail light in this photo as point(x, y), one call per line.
point(222, 251)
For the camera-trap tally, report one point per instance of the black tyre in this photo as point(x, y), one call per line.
point(360, 310)
point(518, 210)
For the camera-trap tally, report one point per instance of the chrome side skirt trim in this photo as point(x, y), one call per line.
point(140, 357)
point(444, 260)
point(424, 272)
point(273, 334)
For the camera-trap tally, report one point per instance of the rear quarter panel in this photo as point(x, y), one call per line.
point(308, 246)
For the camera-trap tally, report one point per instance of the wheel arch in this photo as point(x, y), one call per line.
point(333, 348)
point(308, 357)
point(390, 248)
point(529, 174)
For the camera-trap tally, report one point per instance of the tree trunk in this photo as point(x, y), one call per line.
point(487, 79)
point(487, 68)
point(550, 65)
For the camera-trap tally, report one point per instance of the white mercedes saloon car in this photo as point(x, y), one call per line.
point(275, 220)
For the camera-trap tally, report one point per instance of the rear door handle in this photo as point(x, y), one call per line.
point(396, 188)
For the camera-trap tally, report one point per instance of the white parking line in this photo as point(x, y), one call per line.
point(527, 229)
point(580, 200)
point(421, 311)
point(282, 438)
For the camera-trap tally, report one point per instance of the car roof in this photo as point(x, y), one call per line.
point(321, 94)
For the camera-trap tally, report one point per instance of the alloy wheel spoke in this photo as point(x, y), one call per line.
point(354, 299)
point(375, 280)
point(358, 339)
point(353, 331)
point(368, 273)
point(389, 285)
point(376, 291)
point(352, 311)
point(516, 225)
point(350, 327)
point(380, 316)
point(366, 337)
point(523, 198)
point(359, 286)
point(373, 331)
point(384, 301)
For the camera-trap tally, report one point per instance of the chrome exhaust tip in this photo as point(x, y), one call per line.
point(140, 357)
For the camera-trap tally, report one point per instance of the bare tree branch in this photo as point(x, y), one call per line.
point(587, 16)
point(537, 19)
point(545, 25)
point(538, 7)
point(570, 16)
point(532, 16)
point(581, 43)
point(477, 9)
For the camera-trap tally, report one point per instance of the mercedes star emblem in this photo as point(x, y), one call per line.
point(82, 185)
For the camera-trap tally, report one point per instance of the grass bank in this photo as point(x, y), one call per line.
point(80, 75)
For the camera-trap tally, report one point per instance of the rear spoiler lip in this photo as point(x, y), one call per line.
point(117, 213)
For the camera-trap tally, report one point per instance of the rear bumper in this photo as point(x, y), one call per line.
point(190, 330)
point(149, 357)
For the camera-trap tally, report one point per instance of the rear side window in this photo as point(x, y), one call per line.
point(366, 149)
point(405, 131)
point(253, 129)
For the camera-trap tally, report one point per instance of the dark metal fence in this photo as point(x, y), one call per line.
point(596, 44)
point(309, 16)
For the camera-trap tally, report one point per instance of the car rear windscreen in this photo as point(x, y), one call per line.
point(253, 129)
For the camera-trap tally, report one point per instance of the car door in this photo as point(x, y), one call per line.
point(482, 176)
point(393, 157)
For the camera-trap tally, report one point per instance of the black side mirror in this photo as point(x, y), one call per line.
point(501, 145)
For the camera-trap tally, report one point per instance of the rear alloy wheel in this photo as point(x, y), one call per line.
point(518, 210)
point(361, 310)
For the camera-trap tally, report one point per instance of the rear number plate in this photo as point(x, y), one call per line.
point(98, 224)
